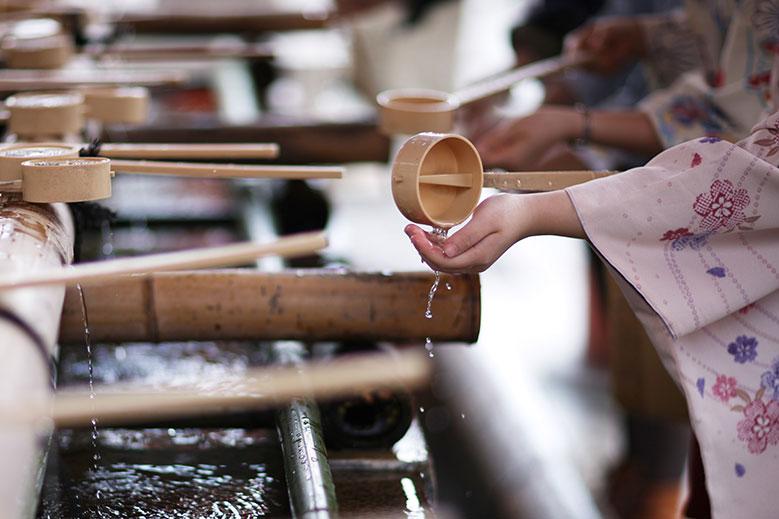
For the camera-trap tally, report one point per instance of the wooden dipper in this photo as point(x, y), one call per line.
point(117, 105)
point(37, 44)
point(437, 179)
point(45, 114)
point(409, 111)
point(38, 115)
point(89, 178)
point(12, 157)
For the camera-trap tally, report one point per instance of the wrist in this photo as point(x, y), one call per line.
point(567, 123)
point(552, 213)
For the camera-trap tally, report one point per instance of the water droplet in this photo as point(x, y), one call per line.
point(437, 231)
point(421, 409)
point(462, 415)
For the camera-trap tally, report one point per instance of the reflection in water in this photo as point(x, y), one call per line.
point(161, 473)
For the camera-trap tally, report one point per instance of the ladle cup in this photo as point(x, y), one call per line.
point(410, 111)
point(437, 179)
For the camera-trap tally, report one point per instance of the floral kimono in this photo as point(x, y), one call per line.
point(694, 238)
point(719, 55)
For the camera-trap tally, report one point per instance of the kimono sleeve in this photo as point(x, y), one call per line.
point(696, 230)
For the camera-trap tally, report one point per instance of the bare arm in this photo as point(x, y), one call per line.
point(497, 224)
point(520, 143)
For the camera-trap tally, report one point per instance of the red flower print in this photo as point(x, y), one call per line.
point(746, 309)
point(696, 160)
point(760, 426)
point(717, 78)
point(675, 234)
point(760, 78)
point(724, 388)
point(722, 206)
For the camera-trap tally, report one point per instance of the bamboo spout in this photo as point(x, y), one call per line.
point(249, 305)
point(32, 237)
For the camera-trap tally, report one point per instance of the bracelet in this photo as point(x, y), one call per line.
point(584, 138)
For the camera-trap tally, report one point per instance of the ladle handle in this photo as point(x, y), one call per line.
point(539, 181)
point(503, 82)
point(225, 256)
point(189, 151)
point(257, 388)
point(189, 169)
point(19, 80)
point(164, 52)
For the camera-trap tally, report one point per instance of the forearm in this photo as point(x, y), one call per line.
point(552, 213)
point(628, 130)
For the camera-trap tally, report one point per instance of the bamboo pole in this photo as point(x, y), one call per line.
point(189, 151)
point(32, 237)
point(178, 52)
point(258, 388)
point(223, 20)
point(193, 169)
point(300, 305)
point(23, 80)
point(235, 254)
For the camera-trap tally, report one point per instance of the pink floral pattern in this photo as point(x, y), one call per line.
point(722, 206)
point(760, 426)
point(725, 387)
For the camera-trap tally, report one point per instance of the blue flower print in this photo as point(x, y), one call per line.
point(770, 380)
point(709, 140)
point(744, 349)
point(694, 241)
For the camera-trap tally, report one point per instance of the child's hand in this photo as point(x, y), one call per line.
point(497, 223)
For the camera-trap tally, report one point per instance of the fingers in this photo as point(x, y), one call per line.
point(576, 41)
point(468, 250)
point(503, 144)
point(475, 259)
point(471, 234)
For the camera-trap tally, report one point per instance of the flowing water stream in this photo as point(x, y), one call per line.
point(90, 367)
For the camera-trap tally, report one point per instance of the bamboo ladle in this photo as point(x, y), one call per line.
point(437, 179)
point(410, 111)
point(224, 256)
point(36, 44)
point(12, 155)
point(62, 113)
point(89, 178)
point(258, 388)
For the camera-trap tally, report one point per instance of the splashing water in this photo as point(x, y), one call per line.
point(437, 231)
point(90, 367)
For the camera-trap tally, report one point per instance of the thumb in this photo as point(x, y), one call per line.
point(472, 233)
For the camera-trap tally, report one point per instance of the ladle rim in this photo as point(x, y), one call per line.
point(440, 101)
